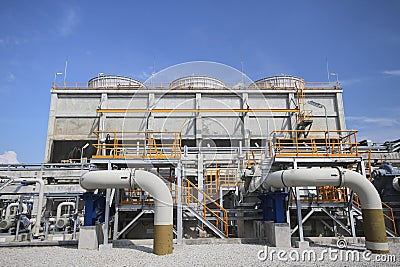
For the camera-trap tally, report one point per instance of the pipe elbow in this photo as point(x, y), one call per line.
point(61, 205)
point(369, 197)
point(161, 194)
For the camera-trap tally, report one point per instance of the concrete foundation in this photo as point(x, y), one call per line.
point(302, 244)
point(277, 234)
point(90, 237)
point(245, 229)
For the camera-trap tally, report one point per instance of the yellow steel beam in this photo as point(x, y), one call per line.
point(283, 110)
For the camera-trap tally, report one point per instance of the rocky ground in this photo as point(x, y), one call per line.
point(198, 255)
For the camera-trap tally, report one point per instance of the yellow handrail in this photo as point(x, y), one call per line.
point(288, 143)
point(219, 177)
point(189, 197)
point(390, 218)
point(150, 144)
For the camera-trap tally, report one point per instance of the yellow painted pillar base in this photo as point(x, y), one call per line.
point(163, 235)
point(375, 231)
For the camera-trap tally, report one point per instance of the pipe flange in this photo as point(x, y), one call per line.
point(282, 180)
point(341, 175)
point(396, 183)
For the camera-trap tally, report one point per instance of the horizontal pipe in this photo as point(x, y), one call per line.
point(107, 179)
point(154, 185)
point(371, 206)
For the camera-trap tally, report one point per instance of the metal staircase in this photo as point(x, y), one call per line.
point(305, 117)
point(205, 208)
point(9, 181)
point(389, 219)
point(205, 221)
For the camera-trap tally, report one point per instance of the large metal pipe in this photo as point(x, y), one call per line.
point(40, 200)
point(15, 205)
point(374, 226)
point(61, 205)
point(154, 185)
point(63, 221)
point(7, 222)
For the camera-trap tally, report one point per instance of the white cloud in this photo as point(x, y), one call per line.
point(392, 72)
point(143, 76)
point(68, 22)
point(377, 122)
point(10, 77)
point(9, 157)
point(377, 129)
point(352, 81)
point(12, 40)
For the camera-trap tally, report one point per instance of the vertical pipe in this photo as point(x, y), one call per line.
point(163, 210)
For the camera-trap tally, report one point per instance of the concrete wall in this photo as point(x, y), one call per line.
point(73, 114)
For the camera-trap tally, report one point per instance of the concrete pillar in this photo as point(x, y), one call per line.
point(90, 237)
point(340, 111)
point(198, 121)
point(50, 127)
point(245, 117)
point(277, 234)
point(103, 116)
point(292, 118)
point(150, 123)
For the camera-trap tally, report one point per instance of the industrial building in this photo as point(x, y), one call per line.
point(235, 154)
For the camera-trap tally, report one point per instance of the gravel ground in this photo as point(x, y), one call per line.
point(188, 255)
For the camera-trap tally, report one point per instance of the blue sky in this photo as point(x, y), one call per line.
point(361, 40)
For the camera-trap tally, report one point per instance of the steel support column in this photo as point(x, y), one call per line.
point(179, 222)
